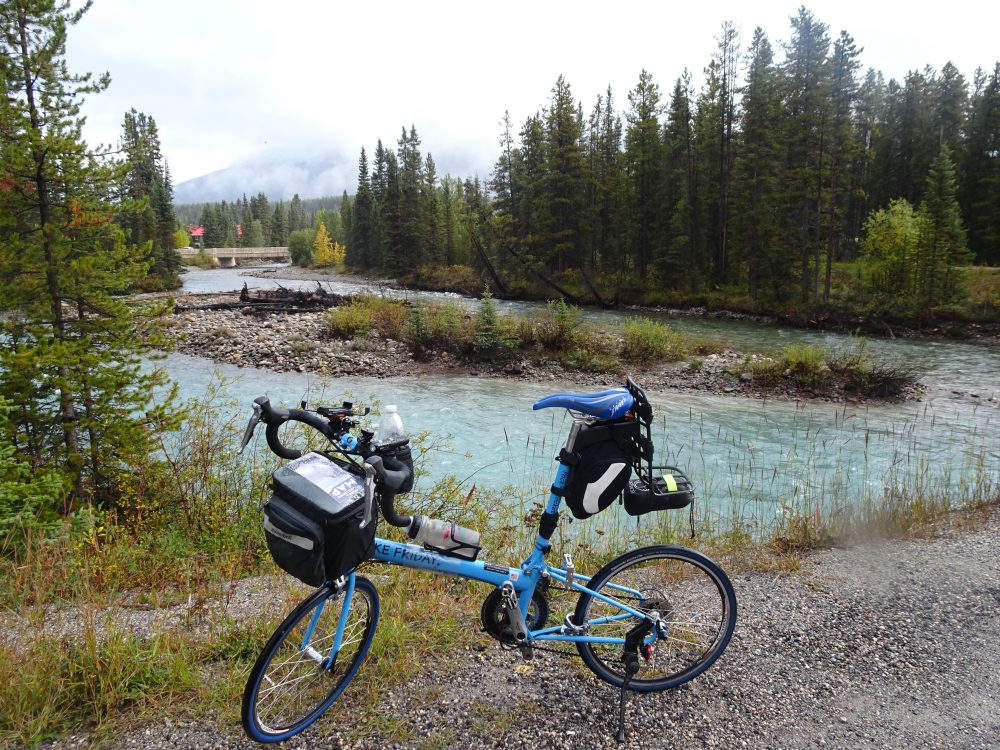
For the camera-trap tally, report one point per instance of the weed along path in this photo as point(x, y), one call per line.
point(882, 645)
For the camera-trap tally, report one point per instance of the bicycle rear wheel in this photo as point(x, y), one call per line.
point(294, 680)
point(696, 604)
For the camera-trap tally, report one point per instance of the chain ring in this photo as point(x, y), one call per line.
point(497, 623)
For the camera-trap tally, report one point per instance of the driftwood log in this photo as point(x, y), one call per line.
point(279, 300)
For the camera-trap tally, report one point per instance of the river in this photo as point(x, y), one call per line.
point(746, 456)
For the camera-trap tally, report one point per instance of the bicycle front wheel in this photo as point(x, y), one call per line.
point(298, 676)
point(695, 603)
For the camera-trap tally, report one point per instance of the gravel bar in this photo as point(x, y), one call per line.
point(889, 645)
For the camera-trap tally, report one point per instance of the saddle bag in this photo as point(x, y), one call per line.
point(313, 521)
point(604, 454)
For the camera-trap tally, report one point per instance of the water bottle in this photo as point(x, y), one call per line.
point(445, 537)
point(390, 425)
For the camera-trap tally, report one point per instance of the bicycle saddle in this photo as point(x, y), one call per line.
point(603, 405)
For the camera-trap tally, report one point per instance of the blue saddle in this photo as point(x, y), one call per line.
point(604, 405)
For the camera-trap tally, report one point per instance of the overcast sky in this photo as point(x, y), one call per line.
point(234, 81)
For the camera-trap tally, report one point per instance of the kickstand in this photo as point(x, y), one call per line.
point(631, 667)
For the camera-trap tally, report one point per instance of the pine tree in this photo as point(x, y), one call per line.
point(70, 357)
point(725, 61)
point(296, 215)
point(346, 217)
point(680, 265)
point(757, 186)
point(261, 211)
point(279, 226)
point(807, 105)
point(146, 199)
point(359, 248)
point(869, 114)
point(246, 221)
point(942, 244)
point(449, 214)
point(411, 250)
point(430, 214)
point(565, 181)
point(843, 66)
point(606, 187)
point(643, 167)
point(981, 189)
point(530, 198)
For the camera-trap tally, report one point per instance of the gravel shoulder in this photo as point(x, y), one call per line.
point(888, 645)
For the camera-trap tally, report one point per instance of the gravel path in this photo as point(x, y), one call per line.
point(895, 645)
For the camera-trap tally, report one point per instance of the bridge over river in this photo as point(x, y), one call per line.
point(228, 256)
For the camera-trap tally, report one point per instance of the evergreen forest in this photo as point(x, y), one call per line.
point(788, 164)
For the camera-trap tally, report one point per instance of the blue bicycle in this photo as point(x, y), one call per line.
point(651, 619)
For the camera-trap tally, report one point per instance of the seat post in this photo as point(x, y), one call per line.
point(574, 432)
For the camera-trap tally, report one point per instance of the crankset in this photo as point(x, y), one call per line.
point(496, 618)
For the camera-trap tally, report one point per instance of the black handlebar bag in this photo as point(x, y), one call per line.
point(314, 522)
point(604, 455)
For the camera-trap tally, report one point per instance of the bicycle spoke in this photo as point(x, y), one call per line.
point(692, 611)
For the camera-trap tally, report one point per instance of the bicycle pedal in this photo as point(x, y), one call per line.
point(527, 653)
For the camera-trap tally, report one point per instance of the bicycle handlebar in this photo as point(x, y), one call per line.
point(274, 418)
point(390, 477)
point(391, 481)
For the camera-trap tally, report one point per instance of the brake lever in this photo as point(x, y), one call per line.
point(251, 426)
point(370, 474)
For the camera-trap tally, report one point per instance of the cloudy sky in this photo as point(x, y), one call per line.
point(258, 81)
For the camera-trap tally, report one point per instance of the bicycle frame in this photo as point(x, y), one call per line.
point(524, 578)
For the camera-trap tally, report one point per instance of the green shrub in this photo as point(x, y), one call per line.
point(806, 365)
point(348, 321)
point(645, 340)
point(300, 247)
point(493, 333)
point(417, 329)
point(448, 325)
point(765, 370)
point(559, 327)
point(366, 314)
point(388, 316)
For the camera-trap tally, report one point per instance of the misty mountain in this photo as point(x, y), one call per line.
point(279, 179)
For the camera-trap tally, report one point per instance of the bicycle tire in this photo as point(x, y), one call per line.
point(286, 713)
point(672, 580)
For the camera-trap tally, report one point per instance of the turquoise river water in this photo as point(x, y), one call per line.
point(747, 456)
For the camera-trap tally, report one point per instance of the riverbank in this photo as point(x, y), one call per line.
point(828, 318)
point(882, 645)
point(302, 342)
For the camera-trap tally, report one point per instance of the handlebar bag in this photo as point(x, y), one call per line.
point(605, 454)
point(312, 523)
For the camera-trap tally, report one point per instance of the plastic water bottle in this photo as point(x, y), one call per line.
point(390, 425)
point(445, 537)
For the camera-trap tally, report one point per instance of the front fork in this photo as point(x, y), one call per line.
point(344, 585)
